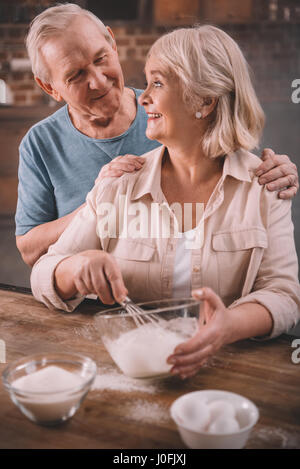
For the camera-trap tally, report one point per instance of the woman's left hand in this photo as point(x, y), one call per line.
point(214, 332)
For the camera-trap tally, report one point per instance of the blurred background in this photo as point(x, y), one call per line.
point(268, 32)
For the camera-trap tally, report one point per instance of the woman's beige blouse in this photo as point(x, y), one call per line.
point(248, 253)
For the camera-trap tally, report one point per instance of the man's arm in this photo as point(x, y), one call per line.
point(36, 241)
point(33, 244)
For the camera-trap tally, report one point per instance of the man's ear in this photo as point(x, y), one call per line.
point(114, 46)
point(49, 90)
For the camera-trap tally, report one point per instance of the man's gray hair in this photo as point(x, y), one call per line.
point(53, 22)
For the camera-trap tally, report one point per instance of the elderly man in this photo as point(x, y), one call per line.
point(74, 59)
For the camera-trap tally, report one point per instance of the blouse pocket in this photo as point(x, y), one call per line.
point(134, 258)
point(239, 254)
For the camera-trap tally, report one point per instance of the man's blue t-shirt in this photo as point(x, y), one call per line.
point(58, 165)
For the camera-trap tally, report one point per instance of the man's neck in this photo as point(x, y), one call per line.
point(95, 127)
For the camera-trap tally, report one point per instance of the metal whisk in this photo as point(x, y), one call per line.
point(137, 313)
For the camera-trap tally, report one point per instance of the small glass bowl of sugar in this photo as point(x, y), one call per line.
point(49, 388)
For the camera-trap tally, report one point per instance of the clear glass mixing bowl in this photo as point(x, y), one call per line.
point(140, 346)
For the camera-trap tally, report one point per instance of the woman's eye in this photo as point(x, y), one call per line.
point(155, 84)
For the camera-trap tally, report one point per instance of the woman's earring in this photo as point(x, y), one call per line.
point(198, 115)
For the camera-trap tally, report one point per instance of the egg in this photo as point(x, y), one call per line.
point(223, 425)
point(243, 416)
point(196, 416)
point(221, 408)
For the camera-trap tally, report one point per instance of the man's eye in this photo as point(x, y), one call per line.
point(74, 77)
point(100, 59)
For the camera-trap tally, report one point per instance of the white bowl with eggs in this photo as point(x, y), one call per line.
point(214, 419)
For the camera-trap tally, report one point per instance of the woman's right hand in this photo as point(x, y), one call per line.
point(91, 271)
point(120, 165)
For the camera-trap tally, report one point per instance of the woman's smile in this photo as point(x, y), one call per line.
point(153, 115)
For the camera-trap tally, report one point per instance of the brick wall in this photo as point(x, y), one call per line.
point(272, 50)
point(20, 82)
point(270, 41)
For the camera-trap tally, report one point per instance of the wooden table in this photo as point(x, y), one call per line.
point(117, 418)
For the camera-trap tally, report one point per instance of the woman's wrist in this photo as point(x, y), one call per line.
point(248, 320)
point(63, 279)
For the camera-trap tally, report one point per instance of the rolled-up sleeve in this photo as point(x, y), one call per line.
point(276, 286)
point(79, 236)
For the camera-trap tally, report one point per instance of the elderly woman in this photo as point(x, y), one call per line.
point(235, 249)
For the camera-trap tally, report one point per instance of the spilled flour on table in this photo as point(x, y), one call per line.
point(88, 332)
point(276, 437)
point(145, 411)
point(110, 379)
point(139, 410)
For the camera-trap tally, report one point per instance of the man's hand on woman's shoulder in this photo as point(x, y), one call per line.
point(279, 174)
point(120, 165)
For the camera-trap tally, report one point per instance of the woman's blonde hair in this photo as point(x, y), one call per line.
point(209, 63)
point(53, 22)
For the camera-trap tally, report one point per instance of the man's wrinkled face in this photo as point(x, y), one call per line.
point(85, 70)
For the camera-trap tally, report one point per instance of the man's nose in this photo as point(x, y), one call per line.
point(97, 80)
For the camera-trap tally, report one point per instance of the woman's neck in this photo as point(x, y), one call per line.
point(189, 165)
point(189, 177)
